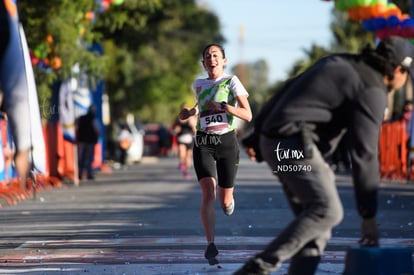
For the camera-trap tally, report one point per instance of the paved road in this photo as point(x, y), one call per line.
point(145, 220)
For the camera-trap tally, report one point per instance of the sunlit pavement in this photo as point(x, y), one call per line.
point(143, 256)
point(150, 255)
point(144, 220)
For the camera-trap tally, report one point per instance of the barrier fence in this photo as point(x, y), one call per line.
point(395, 164)
point(60, 165)
point(394, 151)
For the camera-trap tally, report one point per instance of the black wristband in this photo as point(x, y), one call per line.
point(223, 105)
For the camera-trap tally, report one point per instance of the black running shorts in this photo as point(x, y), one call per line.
point(216, 156)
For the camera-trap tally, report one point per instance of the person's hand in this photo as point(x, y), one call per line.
point(184, 114)
point(252, 148)
point(251, 153)
point(213, 105)
point(370, 233)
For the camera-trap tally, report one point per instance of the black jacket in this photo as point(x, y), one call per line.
point(340, 93)
point(87, 129)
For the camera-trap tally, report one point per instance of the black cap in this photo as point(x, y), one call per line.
point(398, 51)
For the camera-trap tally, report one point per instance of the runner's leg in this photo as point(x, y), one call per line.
point(207, 211)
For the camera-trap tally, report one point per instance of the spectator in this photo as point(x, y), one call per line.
point(302, 124)
point(124, 143)
point(185, 130)
point(164, 142)
point(87, 137)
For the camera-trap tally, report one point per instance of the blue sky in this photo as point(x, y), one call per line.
point(274, 30)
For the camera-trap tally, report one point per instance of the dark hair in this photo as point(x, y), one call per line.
point(378, 62)
point(216, 45)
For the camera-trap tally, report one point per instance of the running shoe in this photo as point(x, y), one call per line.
point(229, 209)
point(187, 176)
point(182, 167)
point(211, 253)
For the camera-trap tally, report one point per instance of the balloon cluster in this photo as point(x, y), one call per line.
point(379, 16)
point(44, 57)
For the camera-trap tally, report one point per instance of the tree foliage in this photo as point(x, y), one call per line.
point(58, 29)
point(155, 59)
point(152, 49)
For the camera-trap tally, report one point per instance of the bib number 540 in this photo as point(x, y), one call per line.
point(214, 119)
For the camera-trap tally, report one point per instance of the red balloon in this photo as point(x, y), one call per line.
point(383, 33)
point(34, 60)
point(105, 5)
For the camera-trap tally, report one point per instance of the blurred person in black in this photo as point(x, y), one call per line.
point(87, 137)
point(302, 124)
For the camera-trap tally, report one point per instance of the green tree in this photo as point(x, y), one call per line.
point(349, 36)
point(312, 55)
point(151, 49)
point(58, 31)
point(153, 63)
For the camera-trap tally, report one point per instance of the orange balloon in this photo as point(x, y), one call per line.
point(90, 15)
point(56, 63)
point(49, 39)
point(353, 14)
point(393, 11)
point(366, 12)
point(379, 10)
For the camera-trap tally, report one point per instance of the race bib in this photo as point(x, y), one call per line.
point(214, 122)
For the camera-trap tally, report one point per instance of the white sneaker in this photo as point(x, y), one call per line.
point(229, 209)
